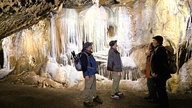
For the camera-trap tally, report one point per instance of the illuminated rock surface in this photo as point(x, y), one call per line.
point(40, 54)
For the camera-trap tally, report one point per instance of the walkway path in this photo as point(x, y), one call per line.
point(12, 96)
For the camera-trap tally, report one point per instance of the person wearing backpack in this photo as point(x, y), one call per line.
point(159, 70)
point(114, 64)
point(89, 68)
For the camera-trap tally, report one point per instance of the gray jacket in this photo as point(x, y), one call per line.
point(114, 62)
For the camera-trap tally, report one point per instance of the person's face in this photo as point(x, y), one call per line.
point(155, 43)
point(151, 47)
point(115, 46)
point(90, 48)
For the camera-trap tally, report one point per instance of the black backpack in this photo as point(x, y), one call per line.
point(172, 67)
point(171, 58)
point(77, 60)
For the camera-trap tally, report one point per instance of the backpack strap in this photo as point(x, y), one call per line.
point(86, 54)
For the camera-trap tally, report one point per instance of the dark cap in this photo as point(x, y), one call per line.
point(111, 43)
point(87, 44)
point(159, 39)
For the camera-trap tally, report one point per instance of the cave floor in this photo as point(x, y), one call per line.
point(17, 96)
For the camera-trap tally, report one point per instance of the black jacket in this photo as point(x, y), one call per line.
point(159, 62)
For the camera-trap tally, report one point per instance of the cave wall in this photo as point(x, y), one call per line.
point(171, 19)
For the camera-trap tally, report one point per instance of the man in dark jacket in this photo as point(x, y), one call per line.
point(89, 67)
point(159, 70)
point(114, 65)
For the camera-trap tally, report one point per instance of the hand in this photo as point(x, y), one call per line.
point(154, 75)
point(87, 77)
point(119, 73)
point(150, 76)
point(147, 53)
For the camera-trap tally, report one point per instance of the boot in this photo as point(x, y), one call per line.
point(97, 100)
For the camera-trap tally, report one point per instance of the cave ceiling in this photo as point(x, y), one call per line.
point(16, 15)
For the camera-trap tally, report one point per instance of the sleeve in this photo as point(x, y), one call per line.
point(84, 62)
point(110, 61)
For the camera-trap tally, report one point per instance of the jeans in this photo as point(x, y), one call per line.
point(162, 93)
point(152, 88)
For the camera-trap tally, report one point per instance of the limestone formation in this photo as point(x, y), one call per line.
point(16, 15)
point(171, 19)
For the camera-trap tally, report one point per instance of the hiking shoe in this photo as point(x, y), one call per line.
point(119, 94)
point(97, 100)
point(88, 104)
point(115, 96)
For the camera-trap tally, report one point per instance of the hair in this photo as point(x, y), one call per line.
point(159, 39)
point(151, 47)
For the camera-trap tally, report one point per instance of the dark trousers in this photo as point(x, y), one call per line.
point(162, 93)
point(152, 88)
